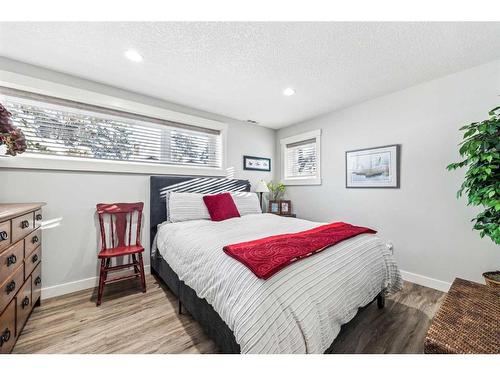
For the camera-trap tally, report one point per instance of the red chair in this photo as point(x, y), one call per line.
point(120, 223)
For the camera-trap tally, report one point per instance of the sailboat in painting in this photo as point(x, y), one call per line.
point(376, 168)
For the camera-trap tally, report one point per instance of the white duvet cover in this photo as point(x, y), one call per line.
point(298, 310)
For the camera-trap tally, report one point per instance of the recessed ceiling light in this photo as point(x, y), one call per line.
point(288, 91)
point(133, 55)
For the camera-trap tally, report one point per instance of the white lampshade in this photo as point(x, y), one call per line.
point(262, 187)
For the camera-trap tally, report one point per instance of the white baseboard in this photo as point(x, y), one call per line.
point(91, 282)
point(75, 286)
point(429, 282)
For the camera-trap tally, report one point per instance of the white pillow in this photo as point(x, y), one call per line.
point(247, 203)
point(186, 206)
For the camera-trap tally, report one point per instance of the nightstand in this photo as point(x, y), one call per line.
point(290, 215)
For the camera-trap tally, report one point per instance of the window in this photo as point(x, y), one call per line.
point(300, 157)
point(59, 128)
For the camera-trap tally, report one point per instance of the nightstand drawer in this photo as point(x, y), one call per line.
point(32, 241)
point(10, 259)
point(8, 328)
point(5, 235)
point(10, 287)
point(21, 226)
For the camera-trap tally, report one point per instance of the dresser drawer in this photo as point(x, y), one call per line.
point(31, 242)
point(21, 226)
point(5, 235)
point(8, 328)
point(10, 287)
point(38, 218)
point(10, 259)
point(36, 286)
point(23, 304)
point(32, 261)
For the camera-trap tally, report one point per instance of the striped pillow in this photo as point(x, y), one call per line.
point(186, 206)
point(247, 203)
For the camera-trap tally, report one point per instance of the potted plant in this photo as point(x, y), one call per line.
point(277, 190)
point(480, 150)
point(10, 136)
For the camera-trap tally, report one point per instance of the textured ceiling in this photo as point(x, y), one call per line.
point(240, 69)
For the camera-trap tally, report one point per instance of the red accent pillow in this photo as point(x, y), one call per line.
point(221, 206)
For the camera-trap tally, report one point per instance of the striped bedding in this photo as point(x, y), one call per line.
point(298, 310)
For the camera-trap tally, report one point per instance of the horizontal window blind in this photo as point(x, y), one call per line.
point(301, 159)
point(63, 128)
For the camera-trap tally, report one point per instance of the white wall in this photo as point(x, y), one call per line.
point(429, 227)
point(70, 247)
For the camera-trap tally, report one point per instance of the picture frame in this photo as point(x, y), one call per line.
point(374, 167)
point(285, 207)
point(274, 207)
point(255, 163)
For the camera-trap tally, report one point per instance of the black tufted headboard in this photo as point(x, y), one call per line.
point(160, 185)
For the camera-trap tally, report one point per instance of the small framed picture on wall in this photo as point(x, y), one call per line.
point(254, 163)
point(274, 207)
point(285, 207)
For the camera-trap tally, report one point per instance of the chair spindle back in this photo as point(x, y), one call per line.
point(121, 216)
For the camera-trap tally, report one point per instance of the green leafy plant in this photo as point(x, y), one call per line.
point(277, 190)
point(480, 150)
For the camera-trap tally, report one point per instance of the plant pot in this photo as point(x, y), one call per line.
point(492, 278)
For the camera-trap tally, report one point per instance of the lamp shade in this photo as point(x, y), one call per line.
point(262, 187)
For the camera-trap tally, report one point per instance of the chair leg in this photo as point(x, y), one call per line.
point(143, 277)
point(108, 264)
point(134, 260)
point(102, 278)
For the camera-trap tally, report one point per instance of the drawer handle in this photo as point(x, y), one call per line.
point(34, 240)
point(34, 258)
point(5, 336)
point(26, 302)
point(38, 217)
point(38, 280)
point(4, 236)
point(11, 259)
point(25, 224)
point(10, 287)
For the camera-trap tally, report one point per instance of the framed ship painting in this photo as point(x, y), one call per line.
point(376, 167)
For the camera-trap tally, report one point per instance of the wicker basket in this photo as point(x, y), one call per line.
point(467, 322)
point(490, 280)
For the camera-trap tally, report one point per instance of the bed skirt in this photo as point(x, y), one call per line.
point(202, 311)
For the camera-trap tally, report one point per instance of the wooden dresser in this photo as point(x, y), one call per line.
point(20, 268)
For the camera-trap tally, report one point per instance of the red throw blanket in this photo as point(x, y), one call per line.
point(268, 255)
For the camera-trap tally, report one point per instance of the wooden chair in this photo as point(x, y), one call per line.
point(119, 241)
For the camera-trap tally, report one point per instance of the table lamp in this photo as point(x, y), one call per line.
point(261, 188)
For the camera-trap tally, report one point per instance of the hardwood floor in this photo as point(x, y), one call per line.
point(129, 321)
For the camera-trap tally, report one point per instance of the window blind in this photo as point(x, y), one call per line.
point(301, 159)
point(58, 127)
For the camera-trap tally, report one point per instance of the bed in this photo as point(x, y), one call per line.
point(298, 310)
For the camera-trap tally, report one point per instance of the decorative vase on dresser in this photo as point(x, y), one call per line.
point(20, 268)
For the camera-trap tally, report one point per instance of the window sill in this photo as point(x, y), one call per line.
point(102, 166)
point(302, 181)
